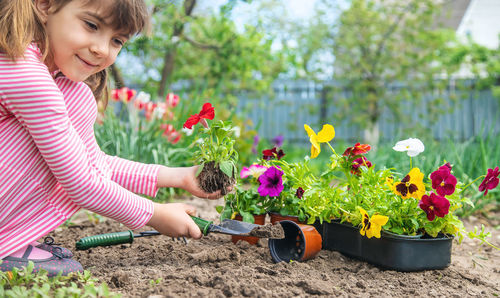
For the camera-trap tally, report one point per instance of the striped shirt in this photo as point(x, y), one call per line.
point(50, 163)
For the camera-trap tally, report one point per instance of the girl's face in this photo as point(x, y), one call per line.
point(81, 40)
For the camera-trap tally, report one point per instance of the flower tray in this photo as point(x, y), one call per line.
point(395, 252)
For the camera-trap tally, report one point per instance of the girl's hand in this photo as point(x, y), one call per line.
point(173, 220)
point(185, 178)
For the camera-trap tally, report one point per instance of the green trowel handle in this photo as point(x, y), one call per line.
point(204, 225)
point(105, 240)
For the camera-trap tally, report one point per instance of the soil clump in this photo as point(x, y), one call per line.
point(212, 179)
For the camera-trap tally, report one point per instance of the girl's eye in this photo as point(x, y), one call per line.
point(91, 25)
point(119, 42)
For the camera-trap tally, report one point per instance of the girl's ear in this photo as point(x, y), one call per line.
point(42, 7)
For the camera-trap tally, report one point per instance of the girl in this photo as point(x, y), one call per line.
point(50, 163)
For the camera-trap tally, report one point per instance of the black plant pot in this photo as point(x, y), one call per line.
point(389, 251)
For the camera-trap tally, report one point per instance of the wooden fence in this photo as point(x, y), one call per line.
point(298, 102)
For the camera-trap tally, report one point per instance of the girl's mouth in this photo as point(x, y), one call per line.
point(88, 64)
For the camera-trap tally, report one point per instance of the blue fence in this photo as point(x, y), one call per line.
point(298, 102)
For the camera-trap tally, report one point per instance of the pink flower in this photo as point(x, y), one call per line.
point(124, 94)
point(169, 132)
point(254, 170)
point(490, 181)
point(434, 205)
point(443, 181)
point(172, 99)
point(271, 183)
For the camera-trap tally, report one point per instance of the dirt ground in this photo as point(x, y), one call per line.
point(215, 267)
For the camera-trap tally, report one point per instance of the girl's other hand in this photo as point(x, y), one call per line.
point(174, 220)
point(191, 185)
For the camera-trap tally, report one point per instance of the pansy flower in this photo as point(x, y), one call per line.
point(490, 181)
point(357, 163)
point(207, 112)
point(371, 226)
point(357, 149)
point(443, 181)
point(412, 185)
point(299, 193)
point(434, 205)
point(254, 170)
point(271, 183)
point(413, 147)
point(326, 134)
point(269, 154)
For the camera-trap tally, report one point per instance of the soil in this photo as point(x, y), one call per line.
point(212, 179)
point(159, 266)
point(268, 231)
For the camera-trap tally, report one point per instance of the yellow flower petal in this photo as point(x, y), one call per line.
point(309, 130)
point(379, 220)
point(326, 134)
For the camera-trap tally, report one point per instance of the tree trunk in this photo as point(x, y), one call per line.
point(371, 135)
point(169, 58)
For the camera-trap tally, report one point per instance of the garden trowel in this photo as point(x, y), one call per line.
point(227, 226)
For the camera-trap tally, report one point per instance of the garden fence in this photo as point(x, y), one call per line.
point(298, 102)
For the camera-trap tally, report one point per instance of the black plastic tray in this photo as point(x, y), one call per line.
point(390, 252)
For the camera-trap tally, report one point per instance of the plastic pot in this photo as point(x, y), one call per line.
point(258, 220)
point(395, 252)
point(301, 242)
point(277, 217)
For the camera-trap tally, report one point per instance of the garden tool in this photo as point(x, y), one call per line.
point(227, 226)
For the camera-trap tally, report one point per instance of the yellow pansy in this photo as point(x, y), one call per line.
point(412, 185)
point(372, 226)
point(326, 134)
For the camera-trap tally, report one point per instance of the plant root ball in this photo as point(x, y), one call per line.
point(212, 179)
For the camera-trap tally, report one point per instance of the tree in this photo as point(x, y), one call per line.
point(203, 48)
point(381, 43)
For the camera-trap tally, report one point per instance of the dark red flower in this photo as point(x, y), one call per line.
point(434, 205)
point(357, 163)
point(357, 150)
point(443, 181)
point(273, 153)
point(207, 112)
point(490, 181)
point(299, 193)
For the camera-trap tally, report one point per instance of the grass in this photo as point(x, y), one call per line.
point(24, 283)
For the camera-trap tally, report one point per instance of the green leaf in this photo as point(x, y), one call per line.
point(200, 168)
point(227, 168)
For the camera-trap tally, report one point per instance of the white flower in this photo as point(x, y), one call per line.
point(143, 97)
point(236, 131)
point(187, 131)
point(413, 146)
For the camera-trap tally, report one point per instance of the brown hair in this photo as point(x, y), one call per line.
point(20, 25)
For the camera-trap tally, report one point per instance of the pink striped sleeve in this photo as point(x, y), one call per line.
point(32, 96)
point(135, 176)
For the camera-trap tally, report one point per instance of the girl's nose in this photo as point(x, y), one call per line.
point(100, 47)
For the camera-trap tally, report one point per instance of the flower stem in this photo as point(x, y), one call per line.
point(482, 176)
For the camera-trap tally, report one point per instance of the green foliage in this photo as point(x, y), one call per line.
point(244, 202)
point(204, 49)
point(218, 147)
point(24, 283)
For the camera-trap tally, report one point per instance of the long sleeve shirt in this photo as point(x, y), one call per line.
point(50, 163)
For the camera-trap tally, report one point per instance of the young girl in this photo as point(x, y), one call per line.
point(50, 163)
